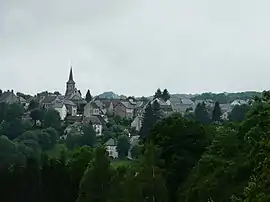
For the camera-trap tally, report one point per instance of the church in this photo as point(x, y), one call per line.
point(72, 93)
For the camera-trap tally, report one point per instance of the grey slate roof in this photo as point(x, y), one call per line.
point(48, 99)
point(4, 96)
point(111, 142)
point(99, 103)
point(57, 105)
point(92, 119)
point(128, 105)
point(69, 102)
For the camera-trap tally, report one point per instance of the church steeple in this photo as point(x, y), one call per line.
point(70, 83)
point(70, 80)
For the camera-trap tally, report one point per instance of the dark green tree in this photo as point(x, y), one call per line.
point(238, 113)
point(181, 142)
point(95, 184)
point(148, 122)
point(52, 119)
point(54, 136)
point(33, 104)
point(44, 141)
point(12, 129)
point(166, 95)
point(158, 93)
point(157, 113)
point(201, 114)
point(123, 146)
point(88, 96)
point(14, 111)
point(216, 114)
point(78, 163)
point(151, 177)
point(36, 115)
point(89, 136)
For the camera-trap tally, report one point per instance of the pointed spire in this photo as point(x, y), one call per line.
point(70, 75)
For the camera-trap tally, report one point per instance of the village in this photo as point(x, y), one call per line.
point(75, 110)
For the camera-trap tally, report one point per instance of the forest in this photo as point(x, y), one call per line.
point(191, 158)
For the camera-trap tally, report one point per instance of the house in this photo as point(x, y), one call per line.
point(74, 119)
point(73, 129)
point(23, 102)
point(166, 107)
point(127, 109)
point(95, 122)
point(9, 97)
point(91, 108)
point(110, 105)
point(183, 105)
point(239, 102)
point(71, 107)
point(137, 122)
point(60, 107)
point(47, 101)
point(101, 106)
point(111, 147)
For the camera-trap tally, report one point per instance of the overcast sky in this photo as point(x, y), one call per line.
point(132, 47)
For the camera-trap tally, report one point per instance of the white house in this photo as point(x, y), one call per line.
point(61, 108)
point(95, 122)
point(111, 147)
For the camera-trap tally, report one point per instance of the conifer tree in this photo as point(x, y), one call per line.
point(147, 121)
point(216, 114)
point(201, 113)
point(95, 184)
point(165, 95)
point(88, 96)
point(158, 93)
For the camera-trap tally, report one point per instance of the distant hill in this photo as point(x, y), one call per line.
point(111, 95)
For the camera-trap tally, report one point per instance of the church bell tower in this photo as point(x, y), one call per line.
point(70, 85)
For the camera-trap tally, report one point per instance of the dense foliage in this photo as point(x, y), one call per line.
point(190, 158)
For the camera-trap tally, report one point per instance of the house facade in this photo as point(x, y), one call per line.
point(91, 109)
point(111, 147)
point(95, 122)
point(61, 109)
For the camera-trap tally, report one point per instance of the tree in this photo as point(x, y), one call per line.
point(89, 136)
point(165, 95)
point(201, 114)
point(12, 129)
point(157, 114)
point(158, 93)
point(216, 114)
point(54, 136)
point(44, 141)
point(151, 177)
point(78, 163)
point(135, 151)
point(14, 111)
point(88, 96)
point(3, 111)
point(147, 122)
point(181, 142)
point(36, 115)
point(238, 113)
point(123, 146)
point(33, 104)
point(56, 93)
point(52, 119)
point(95, 183)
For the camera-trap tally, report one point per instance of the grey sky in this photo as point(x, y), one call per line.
point(133, 47)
